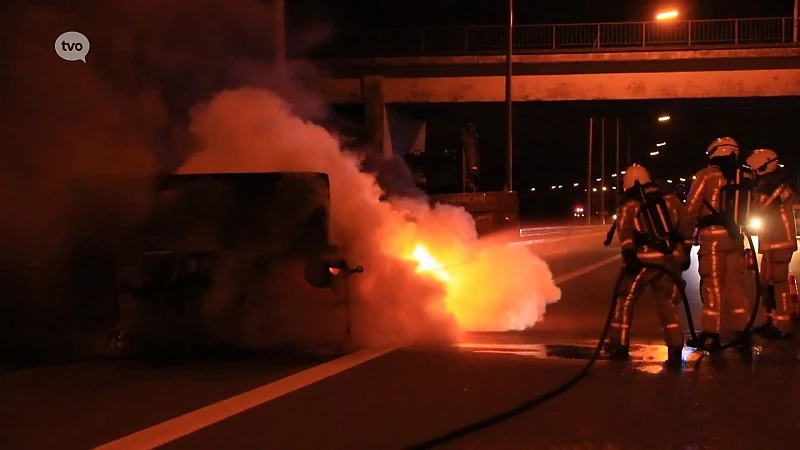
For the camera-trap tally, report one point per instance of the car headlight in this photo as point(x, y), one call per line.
point(755, 224)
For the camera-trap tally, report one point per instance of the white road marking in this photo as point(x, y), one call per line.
point(173, 429)
point(518, 347)
point(178, 427)
point(554, 230)
point(553, 239)
point(583, 271)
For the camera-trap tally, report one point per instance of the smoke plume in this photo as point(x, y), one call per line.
point(487, 287)
point(167, 81)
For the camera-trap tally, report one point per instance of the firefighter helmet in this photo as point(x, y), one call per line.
point(763, 161)
point(633, 174)
point(723, 146)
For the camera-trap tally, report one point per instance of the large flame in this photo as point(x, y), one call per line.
point(426, 263)
point(478, 288)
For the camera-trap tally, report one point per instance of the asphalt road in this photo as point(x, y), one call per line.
point(391, 400)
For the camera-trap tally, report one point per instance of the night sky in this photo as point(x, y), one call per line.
point(550, 139)
point(379, 13)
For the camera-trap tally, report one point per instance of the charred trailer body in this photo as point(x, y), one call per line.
point(216, 263)
point(243, 259)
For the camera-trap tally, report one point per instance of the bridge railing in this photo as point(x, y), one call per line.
point(587, 37)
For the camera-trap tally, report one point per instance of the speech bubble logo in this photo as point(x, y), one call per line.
point(72, 46)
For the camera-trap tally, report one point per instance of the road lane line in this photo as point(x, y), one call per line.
point(188, 423)
point(583, 271)
point(553, 239)
point(180, 426)
point(556, 230)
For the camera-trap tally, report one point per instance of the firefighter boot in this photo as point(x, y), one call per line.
point(771, 332)
point(674, 358)
point(761, 329)
point(617, 352)
point(742, 339)
point(705, 341)
point(674, 355)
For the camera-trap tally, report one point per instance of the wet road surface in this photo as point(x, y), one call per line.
point(739, 400)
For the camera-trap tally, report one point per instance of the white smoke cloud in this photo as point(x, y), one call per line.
point(489, 286)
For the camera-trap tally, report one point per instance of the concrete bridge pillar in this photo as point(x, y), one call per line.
point(391, 132)
point(375, 113)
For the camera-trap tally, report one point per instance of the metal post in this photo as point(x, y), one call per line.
point(589, 174)
point(795, 20)
point(616, 179)
point(602, 170)
point(644, 34)
point(463, 170)
point(597, 41)
point(280, 31)
point(509, 102)
point(628, 151)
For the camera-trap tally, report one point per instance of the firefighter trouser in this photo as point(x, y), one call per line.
point(665, 293)
point(775, 281)
point(721, 264)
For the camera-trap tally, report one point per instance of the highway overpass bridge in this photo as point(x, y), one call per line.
point(607, 61)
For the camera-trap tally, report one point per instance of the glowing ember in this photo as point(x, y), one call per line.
point(426, 263)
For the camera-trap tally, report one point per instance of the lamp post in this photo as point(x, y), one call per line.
point(509, 102)
point(602, 170)
point(616, 179)
point(589, 173)
point(280, 31)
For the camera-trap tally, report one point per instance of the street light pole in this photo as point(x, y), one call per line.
point(589, 173)
point(509, 102)
point(280, 31)
point(795, 20)
point(602, 170)
point(616, 179)
point(628, 150)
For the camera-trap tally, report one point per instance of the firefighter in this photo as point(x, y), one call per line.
point(777, 240)
point(719, 202)
point(651, 228)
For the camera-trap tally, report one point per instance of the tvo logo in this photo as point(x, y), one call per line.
point(72, 46)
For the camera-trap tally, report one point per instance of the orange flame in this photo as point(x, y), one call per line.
point(426, 263)
point(485, 286)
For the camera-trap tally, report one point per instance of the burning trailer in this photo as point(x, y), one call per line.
point(218, 262)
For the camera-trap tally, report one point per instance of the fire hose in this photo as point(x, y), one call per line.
point(572, 382)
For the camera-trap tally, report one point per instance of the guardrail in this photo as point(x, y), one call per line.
point(592, 37)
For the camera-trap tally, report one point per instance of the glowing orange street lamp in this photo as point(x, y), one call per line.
point(667, 15)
